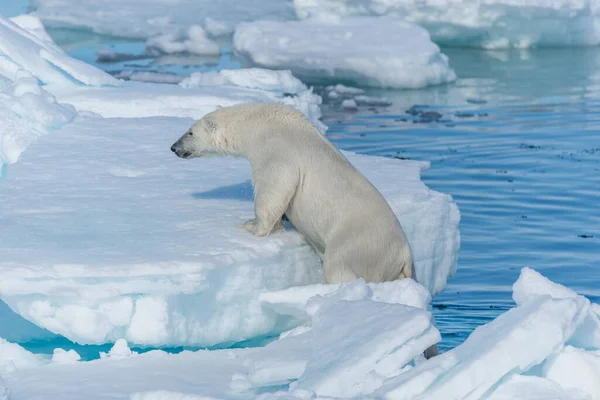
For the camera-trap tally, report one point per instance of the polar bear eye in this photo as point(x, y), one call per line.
point(190, 133)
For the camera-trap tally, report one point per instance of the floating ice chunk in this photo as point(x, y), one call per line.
point(61, 356)
point(372, 101)
point(32, 24)
point(119, 350)
point(457, 373)
point(349, 104)
point(345, 90)
point(21, 49)
point(404, 57)
point(531, 285)
point(167, 395)
point(127, 18)
point(197, 95)
point(359, 344)
point(293, 301)
point(27, 111)
point(193, 41)
point(488, 24)
point(216, 28)
point(574, 368)
point(148, 76)
point(252, 78)
point(129, 264)
point(352, 345)
point(13, 357)
point(519, 387)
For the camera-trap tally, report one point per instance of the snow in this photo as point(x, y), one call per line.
point(195, 96)
point(148, 247)
point(520, 387)
point(23, 50)
point(349, 104)
point(359, 341)
point(489, 24)
point(575, 368)
point(516, 332)
point(193, 41)
point(342, 49)
point(61, 356)
point(4, 392)
point(119, 350)
point(14, 357)
point(127, 18)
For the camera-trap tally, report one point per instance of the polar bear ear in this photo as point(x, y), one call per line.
point(219, 106)
point(210, 124)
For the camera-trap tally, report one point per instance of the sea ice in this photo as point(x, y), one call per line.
point(128, 18)
point(510, 344)
point(31, 51)
point(342, 49)
point(353, 345)
point(480, 23)
point(520, 387)
point(196, 95)
point(4, 392)
point(119, 350)
point(193, 41)
point(135, 243)
point(61, 356)
point(30, 66)
point(575, 369)
point(14, 357)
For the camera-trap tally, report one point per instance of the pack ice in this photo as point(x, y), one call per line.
point(342, 49)
point(359, 341)
point(489, 24)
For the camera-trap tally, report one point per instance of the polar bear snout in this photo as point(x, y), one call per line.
point(182, 147)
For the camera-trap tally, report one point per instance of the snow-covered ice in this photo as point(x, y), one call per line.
point(193, 40)
point(343, 50)
point(521, 387)
point(480, 23)
point(61, 356)
point(119, 350)
point(30, 64)
point(575, 368)
point(358, 342)
point(129, 18)
point(196, 95)
point(14, 357)
point(135, 243)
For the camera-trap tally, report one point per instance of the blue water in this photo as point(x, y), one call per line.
point(515, 141)
point(517, 144)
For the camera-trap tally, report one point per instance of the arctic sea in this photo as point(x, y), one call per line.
point(515, 140)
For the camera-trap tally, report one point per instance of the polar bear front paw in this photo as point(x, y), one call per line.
point(255, 228)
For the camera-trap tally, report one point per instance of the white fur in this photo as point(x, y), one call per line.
point(296, 171)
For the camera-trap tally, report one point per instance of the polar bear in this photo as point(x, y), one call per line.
point(299, 174)
point(296, 171)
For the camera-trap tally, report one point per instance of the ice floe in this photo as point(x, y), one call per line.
point(192, 41)
point(148, 249)
point(343, 50)
point(487, 23)
point(129, 18)
point(14, 357)
point(359, 341)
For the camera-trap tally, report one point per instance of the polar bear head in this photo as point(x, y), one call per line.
point(202, 139)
